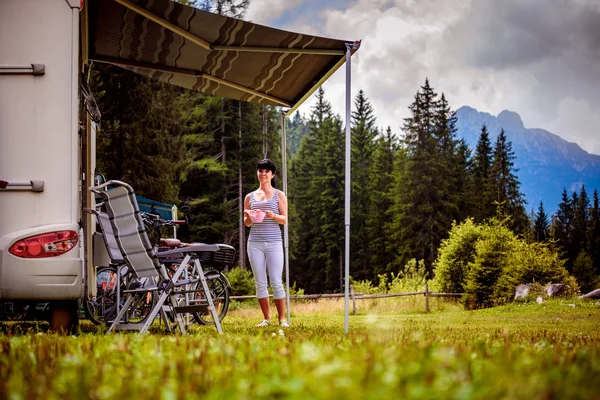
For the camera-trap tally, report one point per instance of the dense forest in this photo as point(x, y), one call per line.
point(408, 187)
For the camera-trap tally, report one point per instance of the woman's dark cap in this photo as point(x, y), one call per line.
point(267, 164)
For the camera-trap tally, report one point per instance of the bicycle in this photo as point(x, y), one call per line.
point(102, 309)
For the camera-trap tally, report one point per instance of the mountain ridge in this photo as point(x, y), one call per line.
point(546, 163)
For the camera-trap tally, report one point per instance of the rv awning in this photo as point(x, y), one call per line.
point(211, 53)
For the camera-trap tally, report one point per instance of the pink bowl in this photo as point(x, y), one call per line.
point(257, 215)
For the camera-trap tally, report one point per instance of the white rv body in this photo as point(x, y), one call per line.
point(40, 153)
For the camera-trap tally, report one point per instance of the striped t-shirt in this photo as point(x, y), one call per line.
point(268, 230)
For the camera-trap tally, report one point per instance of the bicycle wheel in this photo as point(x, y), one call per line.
point(143, 303)
point(96, 309)
point(220, 291)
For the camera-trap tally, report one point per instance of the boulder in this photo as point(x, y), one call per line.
point(555, 289)
point(594, 294)
point(522, 291)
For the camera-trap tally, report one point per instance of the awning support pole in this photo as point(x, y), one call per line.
point(347, 187)
point(286, 244)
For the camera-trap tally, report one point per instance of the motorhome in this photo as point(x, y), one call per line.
point(48, 118)
point(41, 171)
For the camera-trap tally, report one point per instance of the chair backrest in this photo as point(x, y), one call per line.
point(128, 229)
point(114, 252)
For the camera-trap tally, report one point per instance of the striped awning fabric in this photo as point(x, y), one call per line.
point(211, 53)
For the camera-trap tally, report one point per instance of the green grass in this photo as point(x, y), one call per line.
point(526, 351)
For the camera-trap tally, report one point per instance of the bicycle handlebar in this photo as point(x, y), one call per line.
point(155, 220)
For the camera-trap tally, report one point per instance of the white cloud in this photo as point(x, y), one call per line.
point(540, 58)
point(577, 121)
point(263, 11)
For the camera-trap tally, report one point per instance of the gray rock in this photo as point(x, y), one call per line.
point(555, 289)
point(522, 291)
point(594, 294)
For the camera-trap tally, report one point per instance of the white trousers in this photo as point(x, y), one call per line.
point(266, 258)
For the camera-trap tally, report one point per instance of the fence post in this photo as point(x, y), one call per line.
point(353, 300)
point(426, 296)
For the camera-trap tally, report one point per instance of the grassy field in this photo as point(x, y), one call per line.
point(393, 350)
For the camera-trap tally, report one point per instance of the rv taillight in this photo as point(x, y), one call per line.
point(45, 245)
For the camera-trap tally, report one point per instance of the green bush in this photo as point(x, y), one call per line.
point(529, 263)
point(411, 280)
point(492, 252)
point(366, 286)
point(242, 281)
point(455, 255)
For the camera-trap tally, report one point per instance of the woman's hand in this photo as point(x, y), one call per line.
point(270, 214)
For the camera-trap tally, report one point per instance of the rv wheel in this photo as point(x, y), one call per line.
point(64, 317)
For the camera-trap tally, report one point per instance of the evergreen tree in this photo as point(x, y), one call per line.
point(424, 206)
point(482, 165)
point(561, 228)
point(594, 233)
point(307, 175)
point(140, 136)
point(297, 128)
point(579, 228)
point(329, 196)
point(230, 8)
point(465, 184)
point(364, 133)
point(210, 182)
point(379, 184)
point(508, 197)
point(541, 225)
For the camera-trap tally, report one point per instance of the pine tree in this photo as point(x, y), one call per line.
point(594, 232)
point(140, 136)
point(297, 128)
point(579, 226)
point(329, 196)
point(424, 207)
point(482, 165)
point(451, 164)
point(509, 199)
point(380, 181)
point(465, 184)
point(364, 133)
point(541, 224)
point(561, 228)
point(309, 253)
point(230, 8)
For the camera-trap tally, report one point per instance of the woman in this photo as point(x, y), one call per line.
point(265, 249)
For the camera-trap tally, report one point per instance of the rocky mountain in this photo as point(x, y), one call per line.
point(546, 163)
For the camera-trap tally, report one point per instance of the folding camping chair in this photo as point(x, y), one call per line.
point(139, 255)
point(121, 273)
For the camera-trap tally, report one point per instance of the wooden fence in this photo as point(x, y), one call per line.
point(358, 296)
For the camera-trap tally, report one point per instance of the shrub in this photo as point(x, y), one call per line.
point(529, 263)
point(455, 255)
point(411, 280)
point(492, 252)
point(366, 286)
point(242, 281)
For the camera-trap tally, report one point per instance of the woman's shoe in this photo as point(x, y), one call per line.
point(284, 324)
point(263, 324)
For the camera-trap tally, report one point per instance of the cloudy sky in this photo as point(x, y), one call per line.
point(540, 58)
